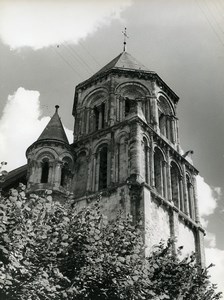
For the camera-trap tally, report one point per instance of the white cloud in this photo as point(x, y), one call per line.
point(216, 256)
point(207, 199)
point(210, 239)
point(20, 125)
point(39, 24)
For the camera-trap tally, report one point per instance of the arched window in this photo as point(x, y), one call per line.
point(103, 168)
point(165, 118)
point(146, 159)
point(163, 124)
point(96, 115)
point(176, 185)
point(99, 115)
point(64, 174)
point(44, 172)
point(159, 172)
point(127, 106)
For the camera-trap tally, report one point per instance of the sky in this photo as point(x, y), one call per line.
point(48, 47)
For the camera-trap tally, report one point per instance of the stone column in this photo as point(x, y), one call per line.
point(200, 248)
point(147, 105)
point(89, 173)
point(117, 153)
point(197, 218)
point(112, 109)
point(147, 179)
point(121, 100)
point(111, 161)
point(94, 172)
point(123, 109)
point(57, 177)
point(174, 226)
point(152, 171)
point(192, 201)
point(97, 171)
point(117, 108)
point(177, 135)
point(181, 194)
point(173, 133)
point(87, 120)
point(165, 190)
point(186, 207)
point(135, 153)
point(51, 173)
point(155, 116)
point(92, 122)
point(169, 185)
point(38, 171)
point(100, 118)
point(110, 169)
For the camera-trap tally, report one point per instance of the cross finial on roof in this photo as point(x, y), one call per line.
point(56, 108)
point(125, 38)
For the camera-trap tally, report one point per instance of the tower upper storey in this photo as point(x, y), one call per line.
point(124, 88)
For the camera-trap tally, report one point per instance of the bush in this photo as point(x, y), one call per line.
point(49, 250)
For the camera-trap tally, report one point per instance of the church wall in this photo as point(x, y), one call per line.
point(112, 202)
point(186, 238)
point(156, 220)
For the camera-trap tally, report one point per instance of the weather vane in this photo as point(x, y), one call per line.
point(125, 38)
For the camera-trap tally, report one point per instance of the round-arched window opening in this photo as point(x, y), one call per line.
point(103, 168)
point(45, 172)
point(64, 174)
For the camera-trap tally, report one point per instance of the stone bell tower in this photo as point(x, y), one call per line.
point(126, 145)
point(50, 160)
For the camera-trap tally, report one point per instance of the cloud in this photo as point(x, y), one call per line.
point(210, 239)
point(216, 256)
point(20, 125)
point(208, 197)
point(39, 24)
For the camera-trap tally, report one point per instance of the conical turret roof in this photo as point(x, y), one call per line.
point(123, 61)
point(54, 129)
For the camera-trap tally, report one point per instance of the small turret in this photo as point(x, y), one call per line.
point(50, 159)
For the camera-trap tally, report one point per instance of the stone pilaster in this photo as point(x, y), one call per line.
point(186, 207)
point(197, 218)
point(155, 116)
point(135, 154)
point(152, 171)
point(200, 247)
point(57, 178)
point(169, 186)
point(94, 173)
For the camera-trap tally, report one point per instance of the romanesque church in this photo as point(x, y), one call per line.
point(125, 152)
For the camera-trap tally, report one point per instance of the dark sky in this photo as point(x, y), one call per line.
point(183, 41)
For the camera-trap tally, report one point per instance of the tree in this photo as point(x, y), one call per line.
point(52, 250)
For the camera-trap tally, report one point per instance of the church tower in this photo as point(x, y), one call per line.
point(126, 149)
point(50, 160)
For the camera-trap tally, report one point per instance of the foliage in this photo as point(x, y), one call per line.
point(50, 250)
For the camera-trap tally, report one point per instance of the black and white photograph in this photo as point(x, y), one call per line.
point(111, 149)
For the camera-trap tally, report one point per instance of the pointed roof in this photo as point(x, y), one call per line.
point(54, 129)
point(123, 61)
